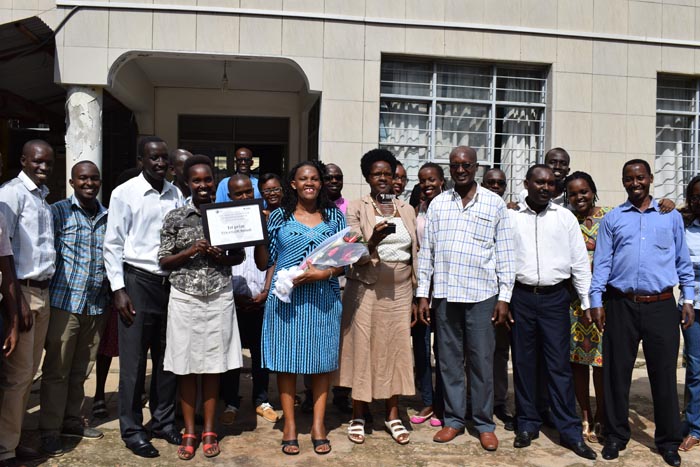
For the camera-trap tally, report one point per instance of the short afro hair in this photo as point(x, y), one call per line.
point(197, 159)
point(377, 155)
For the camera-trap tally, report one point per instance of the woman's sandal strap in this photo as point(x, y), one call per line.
point(321, 442)
point(290, 442)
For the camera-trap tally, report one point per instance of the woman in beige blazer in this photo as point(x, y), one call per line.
point(375, 352)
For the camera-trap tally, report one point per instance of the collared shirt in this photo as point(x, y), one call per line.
point(467, 251)
point(342, 204)
point(201, 275)
point(29, 226)
point(247, 279)
point(80, 281)
point(222, 189)
point(136, 213)
point(643, 253)
point(549, 249)
point(692, 238)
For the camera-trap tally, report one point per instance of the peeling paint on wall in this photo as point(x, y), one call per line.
point(83, 125)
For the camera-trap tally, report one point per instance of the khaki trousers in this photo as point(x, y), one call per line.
point(71, 346)
point(18, 370)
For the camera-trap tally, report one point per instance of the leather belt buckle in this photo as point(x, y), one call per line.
point(538, 290)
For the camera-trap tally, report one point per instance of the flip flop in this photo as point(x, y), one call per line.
point(290, 442)
point(321, 442)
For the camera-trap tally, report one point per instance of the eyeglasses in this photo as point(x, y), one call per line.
point(381, 174)
point(496, 182)
point(464, 165)
point(270, 191)
point(328, 178)
point(244, 160)
point(403, 179)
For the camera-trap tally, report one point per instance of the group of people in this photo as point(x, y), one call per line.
point(456, 271)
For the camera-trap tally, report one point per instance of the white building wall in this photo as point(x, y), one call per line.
point(604, 56)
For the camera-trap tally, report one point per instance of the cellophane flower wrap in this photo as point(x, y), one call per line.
point(342, 249)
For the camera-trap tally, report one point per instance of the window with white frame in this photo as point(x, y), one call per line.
point(429, 107)
point(677, 134)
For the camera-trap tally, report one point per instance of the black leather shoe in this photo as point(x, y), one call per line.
point(671, 458)
point(171, 436)
point(25, 453)
point(502, 414)
point(523, 439)
point(581, 449)
point(143, 449)
point(611, 450)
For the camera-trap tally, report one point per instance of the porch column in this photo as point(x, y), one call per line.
point(83, 128)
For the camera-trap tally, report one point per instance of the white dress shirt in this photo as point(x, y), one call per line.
point(29, 226)
point(247, 279)
point(549, 249)
point(136, 212)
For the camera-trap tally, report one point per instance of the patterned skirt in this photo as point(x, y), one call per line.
point(586, 341)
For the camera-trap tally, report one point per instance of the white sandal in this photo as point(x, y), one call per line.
point(356, 430)
point(396, 428)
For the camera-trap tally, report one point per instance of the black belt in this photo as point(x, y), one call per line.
point(149, 276)
point(541, 289)
point(36, 284)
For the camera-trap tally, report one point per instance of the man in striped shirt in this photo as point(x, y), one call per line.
point(79, 295)
point(467, 253)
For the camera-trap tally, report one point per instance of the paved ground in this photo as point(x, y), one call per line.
point(253, 441)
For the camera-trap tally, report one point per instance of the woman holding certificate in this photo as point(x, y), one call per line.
point(302, 337)
point(202, 331)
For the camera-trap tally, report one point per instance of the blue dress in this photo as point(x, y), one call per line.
point(302, 336)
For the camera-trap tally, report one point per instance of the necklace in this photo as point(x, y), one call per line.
point(376, 208)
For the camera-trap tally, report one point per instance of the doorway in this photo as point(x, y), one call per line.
point(218, 137)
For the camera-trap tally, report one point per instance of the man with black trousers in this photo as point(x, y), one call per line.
point(141, 292)
point(550, 255)
point(640, 256)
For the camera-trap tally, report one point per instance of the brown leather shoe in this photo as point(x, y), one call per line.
point(689, 443)
point(488, 440)
point(446, 435)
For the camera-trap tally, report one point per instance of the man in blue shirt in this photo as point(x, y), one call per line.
point(79, 294)
point(640, 256)
point(244, 161)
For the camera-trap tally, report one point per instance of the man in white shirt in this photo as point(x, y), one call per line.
point(141, 293)
point(30, 227)
point(550, 253)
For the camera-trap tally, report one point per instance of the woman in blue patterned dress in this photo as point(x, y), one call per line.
point(302, 337)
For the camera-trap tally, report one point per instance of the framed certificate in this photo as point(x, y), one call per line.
point(234, 224)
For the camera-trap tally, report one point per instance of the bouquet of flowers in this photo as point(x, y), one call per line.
point(342, 249)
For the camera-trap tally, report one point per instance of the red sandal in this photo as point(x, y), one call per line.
point(185, 452)
point(210, 450)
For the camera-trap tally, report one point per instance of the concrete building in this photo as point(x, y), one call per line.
point(608, 80)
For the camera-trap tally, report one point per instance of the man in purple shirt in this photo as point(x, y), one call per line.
point(334, 186)
point(640, 256)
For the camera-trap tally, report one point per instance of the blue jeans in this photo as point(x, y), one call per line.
point(691, 338)
point(420, 333)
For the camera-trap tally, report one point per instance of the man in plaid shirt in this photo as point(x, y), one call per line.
point(79, 296)
point(467, 254)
